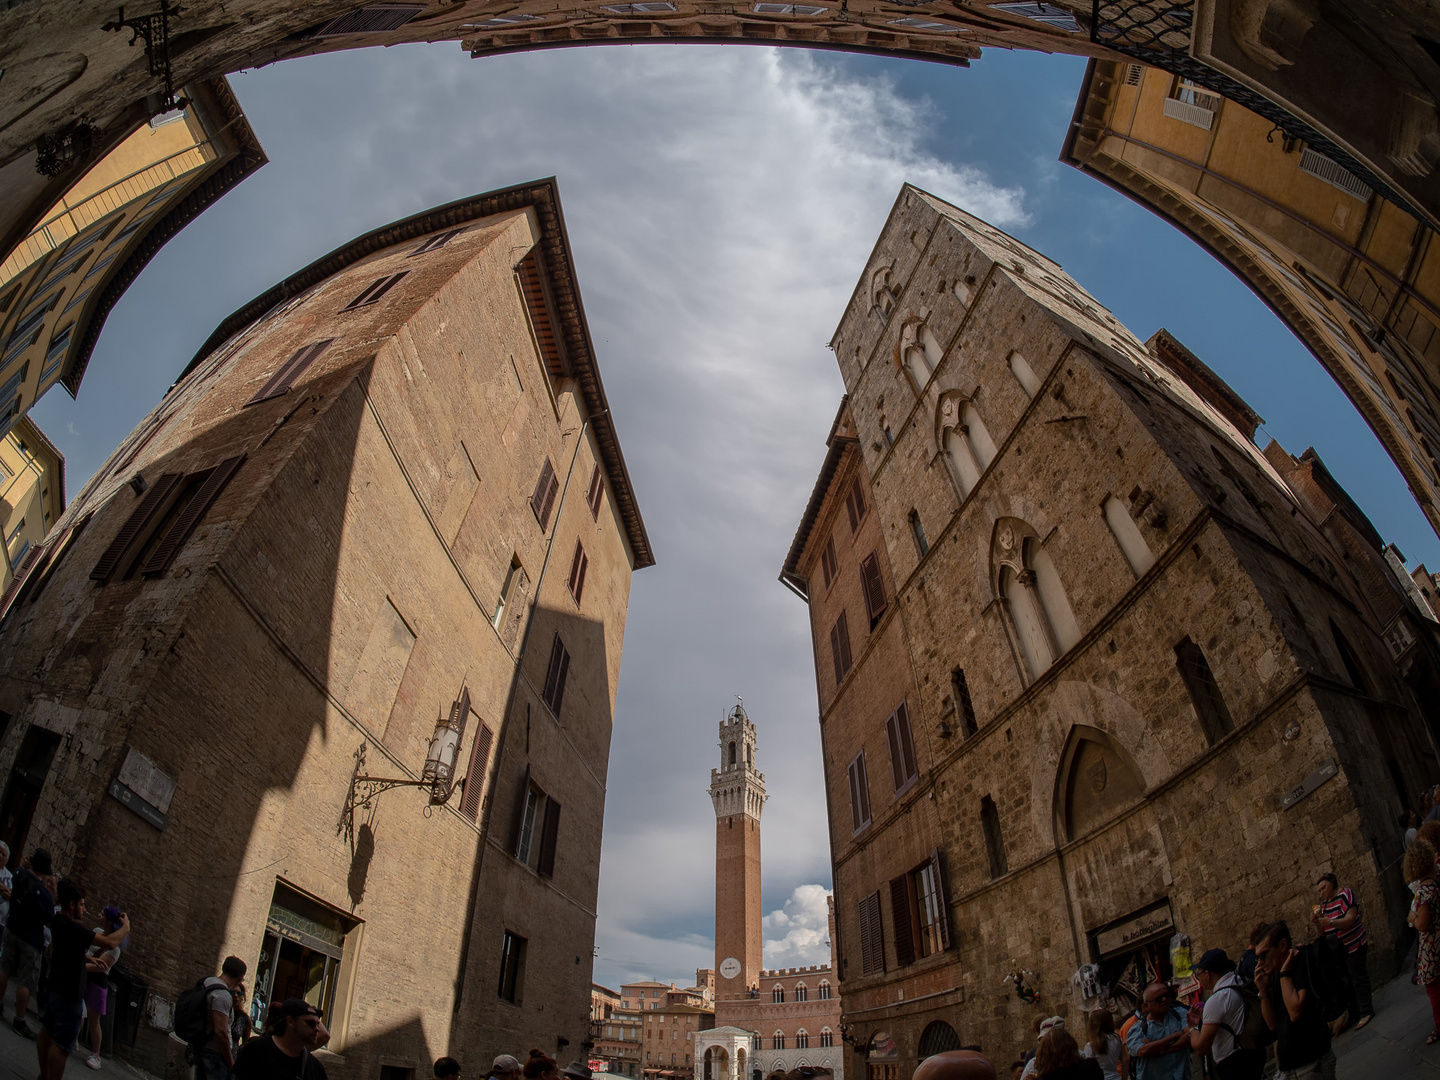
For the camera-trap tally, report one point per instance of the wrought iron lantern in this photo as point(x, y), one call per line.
point(438, 774)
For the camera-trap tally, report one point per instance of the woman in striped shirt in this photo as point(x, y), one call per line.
point(1338, 915)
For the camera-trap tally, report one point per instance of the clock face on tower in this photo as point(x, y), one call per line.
point(729, 967)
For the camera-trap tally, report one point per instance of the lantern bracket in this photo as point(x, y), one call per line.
point(364, 789)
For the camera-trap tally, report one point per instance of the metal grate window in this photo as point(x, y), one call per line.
point(926, 24)
point(788, 9)
point(1135, 74)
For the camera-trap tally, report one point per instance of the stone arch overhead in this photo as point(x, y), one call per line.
point(1075, 704)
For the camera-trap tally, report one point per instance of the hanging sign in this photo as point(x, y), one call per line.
point(1309, 784)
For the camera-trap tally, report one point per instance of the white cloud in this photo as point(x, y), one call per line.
point(804, 928)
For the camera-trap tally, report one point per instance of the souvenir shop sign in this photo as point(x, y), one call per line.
point(1131, 932)
point(1309, 784)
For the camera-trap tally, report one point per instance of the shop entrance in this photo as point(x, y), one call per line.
point(1131, 953)
point(301, 954)
point(22, 793)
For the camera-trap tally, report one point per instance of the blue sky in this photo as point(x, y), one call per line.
point(721, 201)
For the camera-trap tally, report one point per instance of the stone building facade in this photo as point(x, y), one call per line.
point(667, 1038)
point(1352, 273)
point(319, 668)
point(32, 494)
point(1090, 673)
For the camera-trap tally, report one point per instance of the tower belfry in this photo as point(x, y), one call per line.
point(737, 791)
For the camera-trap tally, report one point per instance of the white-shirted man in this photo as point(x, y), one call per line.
point(1223, 1019)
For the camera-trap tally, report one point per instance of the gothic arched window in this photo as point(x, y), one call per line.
point(777, 995)
point(732, 755)
point(1096, 781)
point(966, 442)
point(802, 993)
point(827, 1037)
point(1024, 374)
point(920, 353)
point(777, 1041)
point(882, 293)
point(825, 990)
point(1034, 596)
point(802, 1040)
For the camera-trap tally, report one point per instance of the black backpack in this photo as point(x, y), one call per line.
point(1329, 976)
point(192, 1012)
point(28, 900)
point(1254, 1033)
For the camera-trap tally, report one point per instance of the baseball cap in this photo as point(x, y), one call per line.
point(505, 1063)
point(1051, 1022)
point(1214, 960)
point(298, 1007)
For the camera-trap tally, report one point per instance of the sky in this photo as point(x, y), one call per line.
point(721, 202)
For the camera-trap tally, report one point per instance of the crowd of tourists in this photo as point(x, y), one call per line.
point(57, 956)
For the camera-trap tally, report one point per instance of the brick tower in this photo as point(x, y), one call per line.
point(738, 792)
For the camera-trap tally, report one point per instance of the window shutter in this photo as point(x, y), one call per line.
point(185, 524)
point(855, 821)
point(900, 920)
point(59, 550)
point(577, 572)
point(907, 744)
point(835, 652)
point(372, 19)
point(596, 492)
point(897, 764)
point(844, 627)
point(828, 562)
point(855, 503)
point(872, 940)
point(942, 899)
point(475, 777)
point(518, 825)
point(544, 496)
point(137, 520)
point(375, 290)
point(280, 383)
point(22, 575)
point(546, 863)
point(874, 587)
point(559, 667)
point(437, 241)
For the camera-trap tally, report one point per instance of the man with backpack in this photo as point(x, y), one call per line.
point(1286, 979)
point(32, 905)
point(203, 1018)
point(1232, 1029)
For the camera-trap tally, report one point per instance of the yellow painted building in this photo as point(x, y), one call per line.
point(59, 283)
point(1352, 274)
point(32, 492)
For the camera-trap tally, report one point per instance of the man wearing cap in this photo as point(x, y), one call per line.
point(1222, 1019)
point(506, 1067)
point(32, 905)
point(285, 1051)
point(1159, 1043)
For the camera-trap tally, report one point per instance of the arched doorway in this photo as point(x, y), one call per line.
point(937, 1038)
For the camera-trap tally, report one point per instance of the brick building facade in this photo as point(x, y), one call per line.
point(380, 528)
point(1092, 670)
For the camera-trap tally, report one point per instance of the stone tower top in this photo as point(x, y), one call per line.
point(736, 787)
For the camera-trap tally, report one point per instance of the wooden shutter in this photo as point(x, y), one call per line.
point(897, 761)
point(518, 825)
point(139, 517)
point(900, 920)
point(185, 524)
point(874, 587)
point(828, 562)
point(859, 793)
point(22, 575)
point(544, 497)
point(280, 383)
point(375, 290)
point(835, 652)
point(942, 899)
point(546, 863)
point(596, 492)
point(437, 241)
point(855, 504)
point(907, 743)
point(872, 938)
point(475, 776)
point(554, 692)
point(577, 572)
point(844, 626)
point(59, 550)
